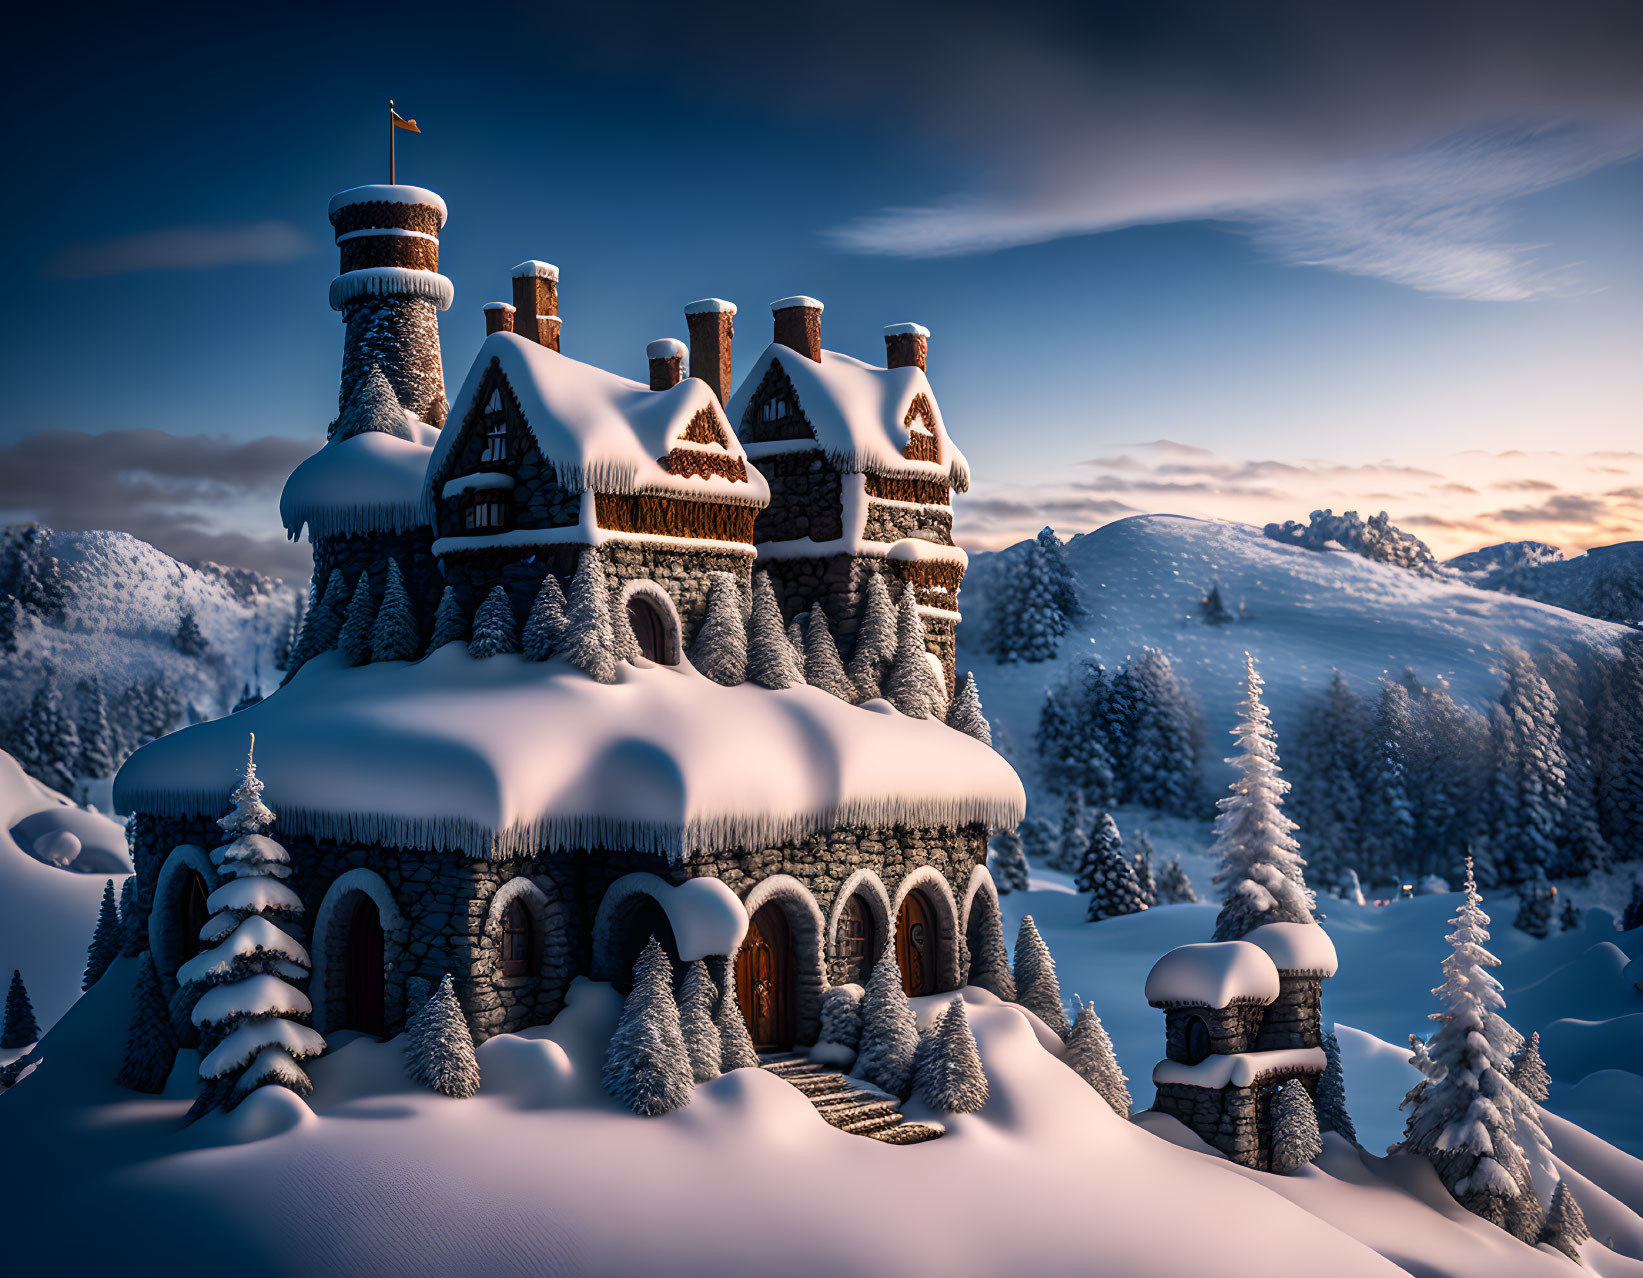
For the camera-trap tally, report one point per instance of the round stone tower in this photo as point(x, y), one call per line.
point(389, 292)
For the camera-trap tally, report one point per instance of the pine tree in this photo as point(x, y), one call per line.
point(876, 640)
point(1581, 846)
point(1037, 988)
point(720, 648)
point(105, 941)
point(736, 1049)
point(1174, 887)
point(889, 1032)
point(1038, 839)
point(589, 643)
point(50, 749)
point(647, 1066)
point(696, 998)
point(372, 407)
point(394, 636)
point(496, 629)
point(1073, 738)
point(950, 1079)
point(1295, 1138)
point(1466, 1116)
point(1112, 884)
point(545, 627)
point(12, 622)
point(1090, 1055)
point(1617, 737)
point(990, 957)
point(1331, 1098)
point(151, 1043)
point(1387, 834)
point(439, 1049)
point(19, 1029)
point(624, 643)
point(910, 684)
point(771, 661)
point(1145, 879)
point(1102, 840)
point(188, 640)
point(1530, 770)
point(354, 639)
point(1632, 916)
point(1534, 915)
point(1569, 919)
point(1074, 845)
point(96, 737)
point(1034, 606)
point(966, 715)
point(1260, 874)
point(795, 639)
point(450, 623)
point(1161, 769)
point(1529, 1074)
point(822, 667)
point(39, 585)
point(1009, 863)
point(323, 623)
point(1565, 1226)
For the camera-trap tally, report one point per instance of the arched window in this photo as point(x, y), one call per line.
point(1198, 1045)
point(364, 975)
point(192, 916)
point(858, 942)
point(651, 627)
point(516, 940)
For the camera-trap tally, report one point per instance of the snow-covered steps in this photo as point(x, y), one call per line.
point(847, 1103)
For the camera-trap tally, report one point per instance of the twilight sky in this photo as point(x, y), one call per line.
point(1193, 257)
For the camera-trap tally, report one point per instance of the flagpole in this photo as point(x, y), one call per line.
point(391, 174)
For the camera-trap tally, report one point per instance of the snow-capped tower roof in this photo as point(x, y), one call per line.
point(1213, 974)
point(1296, 949)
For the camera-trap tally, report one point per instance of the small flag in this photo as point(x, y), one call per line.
point(400, 122)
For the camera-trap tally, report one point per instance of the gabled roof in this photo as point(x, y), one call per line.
point(601, 432)
point(372, 482)
point(862, 415)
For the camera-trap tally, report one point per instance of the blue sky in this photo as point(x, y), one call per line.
point(1334, 255)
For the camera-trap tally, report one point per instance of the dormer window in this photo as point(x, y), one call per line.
point(774, 410)
point(496, 430)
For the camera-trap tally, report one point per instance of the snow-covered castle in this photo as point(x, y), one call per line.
point(518, 822)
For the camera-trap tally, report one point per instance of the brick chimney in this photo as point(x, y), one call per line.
point(536, 302)
point(711, 322)
point(798, 325)
point(667, 363)
point(906, 345)
point(498, 318)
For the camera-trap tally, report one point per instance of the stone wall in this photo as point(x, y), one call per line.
point(1231, 1029)
point(806, 498)
point(1295, 1018)
point(370, 552)
point(1235, 1120)
point(401, 336)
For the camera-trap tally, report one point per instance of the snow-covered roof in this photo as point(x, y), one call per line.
point(859, 412)
point(504, 757)
point(797, 301)
point(533, 269)
point(1241, 1069)
point(1212, 974)
point(387, 195)
point(1296, 947)
point(899, 330)
point(371, 482)
point(710, 306)
point(602, 432)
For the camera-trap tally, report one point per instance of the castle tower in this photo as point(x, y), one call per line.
point(389, 292)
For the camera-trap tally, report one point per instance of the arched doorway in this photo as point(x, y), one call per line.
point(764, 979)
point(858, 940)
point(642, 917)
point(192, 915)
point(652, 628)
point(517, 938)
point(363, 978)
point(916, 942)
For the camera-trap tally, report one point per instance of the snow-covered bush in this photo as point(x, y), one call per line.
point(647, 1066)
point(1295, 1138)
point(697, 996)
point(439, 1049)
point(840, 1035)
point(1036, 986)
point(1376, 538)
point(105, 940)
point(496, 629)
point(889, 1030)
point(720, 647)
point(949, 1077)
point(19, 1028)
point(1090, 1055)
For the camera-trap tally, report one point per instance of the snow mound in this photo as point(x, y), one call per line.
point(1212, 974)
point(1296, 947)
point(267, 1112)
point(370, 482)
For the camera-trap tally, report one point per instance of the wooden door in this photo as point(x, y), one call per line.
point(764, 979)
point(916, 945)
point(364, 982)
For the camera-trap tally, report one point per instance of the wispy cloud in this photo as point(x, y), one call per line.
point(182, 248)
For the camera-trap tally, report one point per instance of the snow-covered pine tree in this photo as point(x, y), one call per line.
point(322, 625)
point(19, 1029)
point(889, 1031)
point(624, 642)
point(372, 407)
point(394, 636)
point(1038, 839)
point(647, 1066)
point(1161, 770)
point(96, 737)
point(1113, 887)
point(910, 683)
point(545, 626)
point(1174, 887)
point(496, 629)
point(1465, 1115)
point(1534, 914)
point(697, 996)
point(589, 643)
point(990, 957)
point(1072, 739)
point(1568, 918)
point(1103, 838)
point(1581, 846)
point(1387, 833)
point(840, 1034)
point(1331, 1098)
point(1036, 987)
point(1530, 770)
point(822, 667)
point(1074, 844)
point(450, 623)
point(39, 585)
point(876, 641)
point(1565, 1226)
point(1618, 740)
point(965, 713)
point(12, 622)
point(1145, 878)
point(151, 1043)
point(736, 1050)
point(949, 1078)
point(1090, 1055)
point(133, 938)
point(1009, 863)
point(188, 640)
point(105, 940)
point(771, 661)
point(252, 1018)
point(1033, 606)
point(439, 1049)
point(1261, 867)
point(720, 648)
point(52, 750)
point(1295, 1137)
point(1529, 1074)
point(795, 639)
point(354, 639)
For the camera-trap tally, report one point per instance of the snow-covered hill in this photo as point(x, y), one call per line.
point(1607, 581)
point(1306, 613)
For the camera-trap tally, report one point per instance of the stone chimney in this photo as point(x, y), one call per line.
point(906, 345)
point(667, 363)
point(711, 322)
point(536, 302)
point(798, 325)
point(498, 318)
